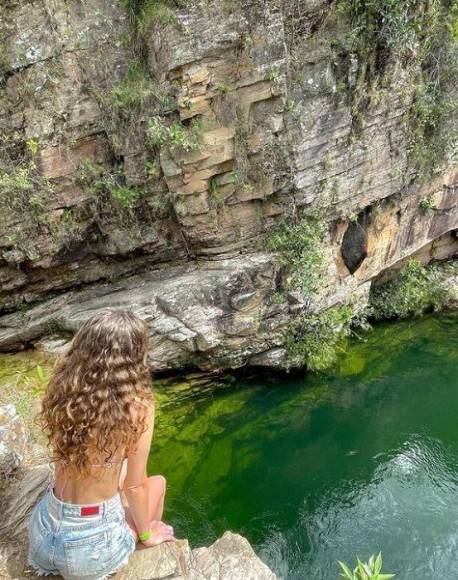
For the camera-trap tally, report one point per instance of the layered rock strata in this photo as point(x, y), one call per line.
point(109, 202)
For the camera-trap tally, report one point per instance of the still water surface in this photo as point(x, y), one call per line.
point(320, 468)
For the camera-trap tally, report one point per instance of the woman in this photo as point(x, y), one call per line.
point(98, 411)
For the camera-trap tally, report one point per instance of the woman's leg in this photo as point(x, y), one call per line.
point(157, 487)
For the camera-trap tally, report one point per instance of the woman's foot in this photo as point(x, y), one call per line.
point(160, 533)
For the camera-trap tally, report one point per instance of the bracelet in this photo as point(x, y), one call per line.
point(144, 536)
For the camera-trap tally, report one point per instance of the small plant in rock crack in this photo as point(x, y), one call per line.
point(427, 204)
point(174, 136)
point(107, 184)
point(273, 73)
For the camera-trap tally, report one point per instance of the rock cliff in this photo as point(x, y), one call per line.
point(149, 150)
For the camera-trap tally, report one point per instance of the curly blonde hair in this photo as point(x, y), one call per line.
point(98, 398)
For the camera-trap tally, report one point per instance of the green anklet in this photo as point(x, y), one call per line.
point(145, 536)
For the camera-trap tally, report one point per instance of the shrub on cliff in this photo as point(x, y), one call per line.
point(315, 340)
point(299, 246)
point(413, 291)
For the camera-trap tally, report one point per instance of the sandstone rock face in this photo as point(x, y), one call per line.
point(214, 315)
point(102, 206)
point(13, 440)
point(229, 558)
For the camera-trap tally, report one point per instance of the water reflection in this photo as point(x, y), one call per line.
point(323, 468)
point(408, 510)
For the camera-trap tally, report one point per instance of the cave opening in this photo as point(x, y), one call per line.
point(354, 243)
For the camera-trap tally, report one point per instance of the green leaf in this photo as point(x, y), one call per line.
point(41, 374)
point(347, 573)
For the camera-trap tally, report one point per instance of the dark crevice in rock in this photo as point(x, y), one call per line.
point(354, 244)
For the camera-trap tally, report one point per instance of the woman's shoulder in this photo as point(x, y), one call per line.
point(142, 408)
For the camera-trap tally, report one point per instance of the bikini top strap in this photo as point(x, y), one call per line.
point(108, 464)
point(59, 467)
point(62, 489)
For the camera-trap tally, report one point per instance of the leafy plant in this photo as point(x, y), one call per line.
point(136, 88)
point(148, 11)
point(107, 185)
point(300, 250)
point(216, 193)
point(370, 570)
point(427, 204)
point(272, 73)
point(32, 146)
point(315, 340)
point(41, 377)
point(222, 89)
point(369, 40)
point(23, 193)
point(174, 136)
point(156, 11)
point(127, 196)
point(414, 290)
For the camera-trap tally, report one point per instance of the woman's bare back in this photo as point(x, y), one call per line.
point(101, 485)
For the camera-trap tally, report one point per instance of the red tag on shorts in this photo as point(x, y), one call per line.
point(91, 510)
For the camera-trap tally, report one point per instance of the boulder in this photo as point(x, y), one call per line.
point(13, 439)
point(229, 558)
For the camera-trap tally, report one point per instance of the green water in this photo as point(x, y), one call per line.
point(318, 469)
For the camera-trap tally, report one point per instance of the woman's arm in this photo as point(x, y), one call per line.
point(136, 482)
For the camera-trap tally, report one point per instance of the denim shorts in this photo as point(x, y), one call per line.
point(79, 542)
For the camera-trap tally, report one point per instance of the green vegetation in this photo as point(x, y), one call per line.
point(136, 88)
point(217, 194)
point(222, 89)
point(432, 116)
point(22, 382)
point(154, 11)
point(126, 196)
point(422, 37)
point(300, 250)
point(415, 290)
point(315, 340)
point(272, 73)
point(311, 339)
point(23, 197)
point(371, 570)
point(145, 13)
point(175, 136)
point(107, 185)
point(5, 56)
point(427, 204)
point(376, 46)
